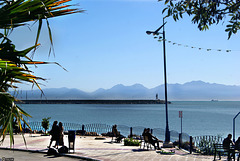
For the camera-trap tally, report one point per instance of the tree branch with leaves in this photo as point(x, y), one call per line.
point(206, 12)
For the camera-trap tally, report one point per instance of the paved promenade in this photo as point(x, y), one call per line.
point(87, 147)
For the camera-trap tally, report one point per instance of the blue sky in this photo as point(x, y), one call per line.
point(108, 45)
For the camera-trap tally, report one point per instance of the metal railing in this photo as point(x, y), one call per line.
point(104, 128)
point(205, 144)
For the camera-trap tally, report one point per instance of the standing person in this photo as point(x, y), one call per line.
point(226, 145)
point(55, 132)
point(61, 134)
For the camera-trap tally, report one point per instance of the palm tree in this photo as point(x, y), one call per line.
point(13, 63)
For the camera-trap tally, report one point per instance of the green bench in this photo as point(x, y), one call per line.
point(220, 150)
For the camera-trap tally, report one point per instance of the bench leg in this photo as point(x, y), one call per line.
point(233, 153)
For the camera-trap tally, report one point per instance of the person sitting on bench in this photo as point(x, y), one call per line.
point(152, 139)
point(226, 145)
point(237, 147)
point(117, 134)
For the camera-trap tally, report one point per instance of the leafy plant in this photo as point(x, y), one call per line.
point(131, 142)
point(45, 123)
point(13, 63)
point(205, 144)
point(165, 152)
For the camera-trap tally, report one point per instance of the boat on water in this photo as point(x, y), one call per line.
point(214, 100)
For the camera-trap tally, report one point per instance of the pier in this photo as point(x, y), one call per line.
point(92, 102)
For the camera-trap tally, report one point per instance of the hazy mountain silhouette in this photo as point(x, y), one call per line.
point(191, 91)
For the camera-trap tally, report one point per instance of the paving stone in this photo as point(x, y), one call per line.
point(88, 147)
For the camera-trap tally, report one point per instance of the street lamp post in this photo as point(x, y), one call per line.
point(167, 132)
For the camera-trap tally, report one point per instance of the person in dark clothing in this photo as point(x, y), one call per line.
point(226, 145)
point(61, 134)
point(227, 141)
point(152, 139)
point(237, 146)
point(144, 131)
point(117, 134)
point(55, 132)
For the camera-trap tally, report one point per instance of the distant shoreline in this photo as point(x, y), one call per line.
point(92, 102)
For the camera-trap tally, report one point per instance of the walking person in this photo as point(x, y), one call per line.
point(55, 132)
point(61, 134)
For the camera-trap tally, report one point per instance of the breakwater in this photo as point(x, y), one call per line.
point(92, 102)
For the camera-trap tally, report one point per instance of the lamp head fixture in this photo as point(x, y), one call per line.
point(155, 32)
point(149, 32)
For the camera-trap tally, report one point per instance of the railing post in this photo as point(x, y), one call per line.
point(131, 135)
point(191, 147)
point(180, 140)
point(83, 127)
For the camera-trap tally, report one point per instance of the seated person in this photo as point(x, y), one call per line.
point(227, 141)
point(151, 139)
point(144, 131)
point(117, 134)
point(237, 144)
point(237, 147)
point(226, 145)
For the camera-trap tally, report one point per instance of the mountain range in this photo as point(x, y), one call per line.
point(190, 91)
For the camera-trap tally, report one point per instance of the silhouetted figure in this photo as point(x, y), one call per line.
point(117, 134)
point(151, 139)
point(227, 141)
point(144, 131)
point(226, 145)
point(55, 132)
point(237, 146)
point(61, 134)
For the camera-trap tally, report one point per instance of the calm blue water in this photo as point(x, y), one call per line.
point(199, 118)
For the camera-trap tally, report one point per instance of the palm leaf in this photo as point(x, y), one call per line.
point(14, 63)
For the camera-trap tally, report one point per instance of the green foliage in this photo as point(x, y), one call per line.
point(206, 13)
point(165, 152)
point(9, 111)
point(13, 63)
point(131, 142)
point(45, 123)
point(205, 144)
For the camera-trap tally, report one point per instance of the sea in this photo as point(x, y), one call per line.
point(198, 117)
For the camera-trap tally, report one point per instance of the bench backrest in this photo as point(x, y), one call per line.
point(220, 146)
